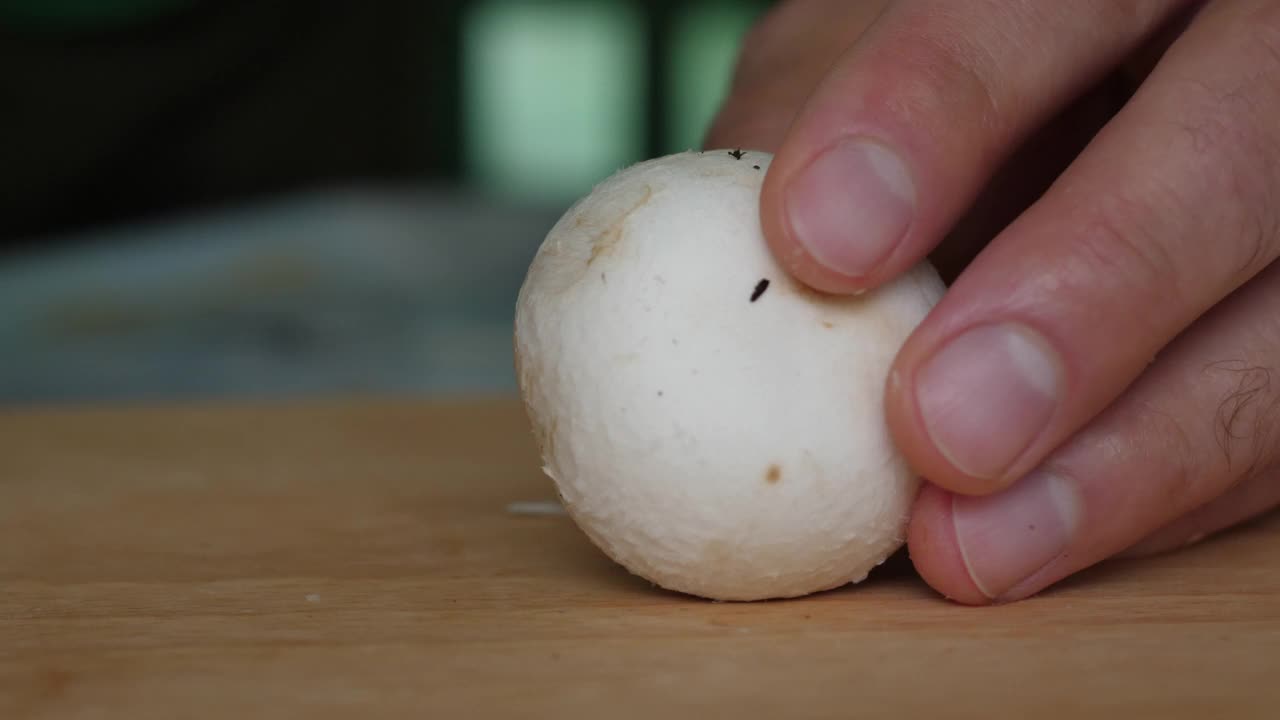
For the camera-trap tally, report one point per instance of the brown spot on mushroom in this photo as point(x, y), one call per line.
point(607, 239)
point(827, 325)
point(773, 475)
point(717, 552)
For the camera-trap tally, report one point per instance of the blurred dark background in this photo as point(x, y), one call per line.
point(241, 198)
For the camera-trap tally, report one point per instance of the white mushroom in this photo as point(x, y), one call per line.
point(711, 424)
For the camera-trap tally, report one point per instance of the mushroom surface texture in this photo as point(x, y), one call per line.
point(711, 424)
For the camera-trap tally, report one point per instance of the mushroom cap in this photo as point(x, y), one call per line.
point(711, 424)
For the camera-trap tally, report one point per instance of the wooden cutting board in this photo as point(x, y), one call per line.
point(364, 559)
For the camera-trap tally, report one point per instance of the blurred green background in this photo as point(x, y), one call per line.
point(229, 198)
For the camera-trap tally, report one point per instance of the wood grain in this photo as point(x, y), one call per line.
point(357, 559)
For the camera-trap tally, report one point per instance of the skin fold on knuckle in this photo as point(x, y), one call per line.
point(1230, 149)
point(1264, 133)
point(934, 75)
point(1225, 108)
point(1122, 249)
point(1211, 173)
point(976, 60)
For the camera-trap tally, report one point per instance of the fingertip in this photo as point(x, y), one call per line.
point(911, 436)
point(794, 257)
point(839, 217)
point(935, 552)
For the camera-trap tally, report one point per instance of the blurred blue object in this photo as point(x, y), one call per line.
point(351, 291)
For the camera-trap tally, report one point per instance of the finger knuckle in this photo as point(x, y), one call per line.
point(933, 67)
point(1249, 220)
point(1230, 107)
point(1124, 244)
point(936, 75)
point(1258, 176)
point(1228, 153)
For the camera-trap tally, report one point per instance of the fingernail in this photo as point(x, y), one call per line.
point(1007, 537)
point(987, 394)
point(851, 206)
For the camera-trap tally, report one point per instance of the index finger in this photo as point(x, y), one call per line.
point(911, 123)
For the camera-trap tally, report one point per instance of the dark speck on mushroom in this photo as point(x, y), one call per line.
point(737, 154)
point(755, 167)
point(760, 288)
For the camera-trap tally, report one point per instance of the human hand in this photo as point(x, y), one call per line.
point(1101, 181)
